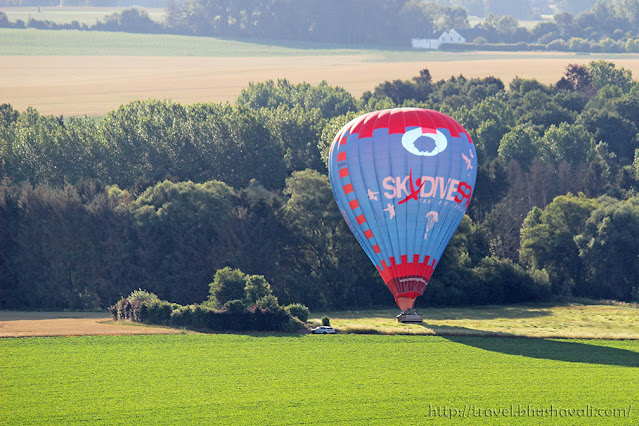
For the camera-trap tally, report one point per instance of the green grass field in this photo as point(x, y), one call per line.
point(568, 320)
point(100, 43)
point(340, 379)
point(59, 42)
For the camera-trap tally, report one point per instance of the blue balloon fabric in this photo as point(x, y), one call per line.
point(403, 179)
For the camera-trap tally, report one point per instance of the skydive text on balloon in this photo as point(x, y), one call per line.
point(433, 187)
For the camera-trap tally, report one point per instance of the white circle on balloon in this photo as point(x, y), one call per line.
point(409, 138)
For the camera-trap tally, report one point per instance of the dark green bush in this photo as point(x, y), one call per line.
point(125, 309)
point(181, 317)
point(196, 317)
point(234, 306)
point(140, 295)
point(202, 318)
point(269, 302)
point(113, 310)
point(298, 311)
point(293, 325)
point(267, 320)
point(235, 316)
point(326, 320)
point(121, 310)
point(503, 281)
point(156, 312)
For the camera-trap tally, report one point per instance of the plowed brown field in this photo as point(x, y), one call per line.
point(94, 85)
point(30, 324)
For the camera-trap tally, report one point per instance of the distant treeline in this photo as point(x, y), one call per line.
point(160, 196)
point(132, 20)
point(385, 22)
point(604, 27)
point(83, 3)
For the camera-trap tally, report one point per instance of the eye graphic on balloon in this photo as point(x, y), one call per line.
point(403, 179)
point(426, 144)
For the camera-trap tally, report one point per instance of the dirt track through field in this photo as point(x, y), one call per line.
point(94, 85)
point(32, 324)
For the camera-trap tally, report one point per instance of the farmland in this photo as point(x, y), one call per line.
point(544, 363)
point(91, 73)
point(570, 320)
point(29, 324)
point(262, 379)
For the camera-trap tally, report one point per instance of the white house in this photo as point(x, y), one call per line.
point(438, 39)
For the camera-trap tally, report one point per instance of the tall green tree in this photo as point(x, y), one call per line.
point(567, 142)
point(256, 288)
point(228, 284)
point(609, 247)
point(548, 241)
point(327, 265)
point(605, 73)
point(179, 228)
point(520, 144)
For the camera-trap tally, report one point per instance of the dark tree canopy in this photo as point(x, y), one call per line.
point(164, 196)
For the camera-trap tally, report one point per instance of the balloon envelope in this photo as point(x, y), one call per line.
point(403, 179)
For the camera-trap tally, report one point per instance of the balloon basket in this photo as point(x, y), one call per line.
point(410, 315)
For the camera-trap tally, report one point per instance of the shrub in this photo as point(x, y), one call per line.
point(292, 325)
point(267, 320)
point(228, 284)
point(298, 311)
point(577, 44)
point(256, 288)
point(181, 317)
point(196, 317)
point(140, 295)
point(234, 306)
point(503, 281)
point(326, 320)
point(269, 302)
point(113, 310)
point(558, 44)
point(200, 317)
point(121, 309)
point(632, 45)
point(156, 312)
point(235, 316)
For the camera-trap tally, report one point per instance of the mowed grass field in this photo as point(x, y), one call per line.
point(91, 73)
point(339, 379)
point(568, 320)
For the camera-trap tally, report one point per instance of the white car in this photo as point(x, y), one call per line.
point(323, 329)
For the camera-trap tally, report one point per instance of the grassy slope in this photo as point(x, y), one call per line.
point(230, 379)
point(561, 321)
point(60, 42)
point(43, 42)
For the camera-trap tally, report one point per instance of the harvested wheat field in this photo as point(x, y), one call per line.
point(32, 324)
point(94, 85)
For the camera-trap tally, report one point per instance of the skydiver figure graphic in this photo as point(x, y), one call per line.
point(431, 217)
point(372, 195)
point(391, 210)
point(468, 161)
point(414, 193)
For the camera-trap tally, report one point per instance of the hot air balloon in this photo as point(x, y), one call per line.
point(403, 179)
